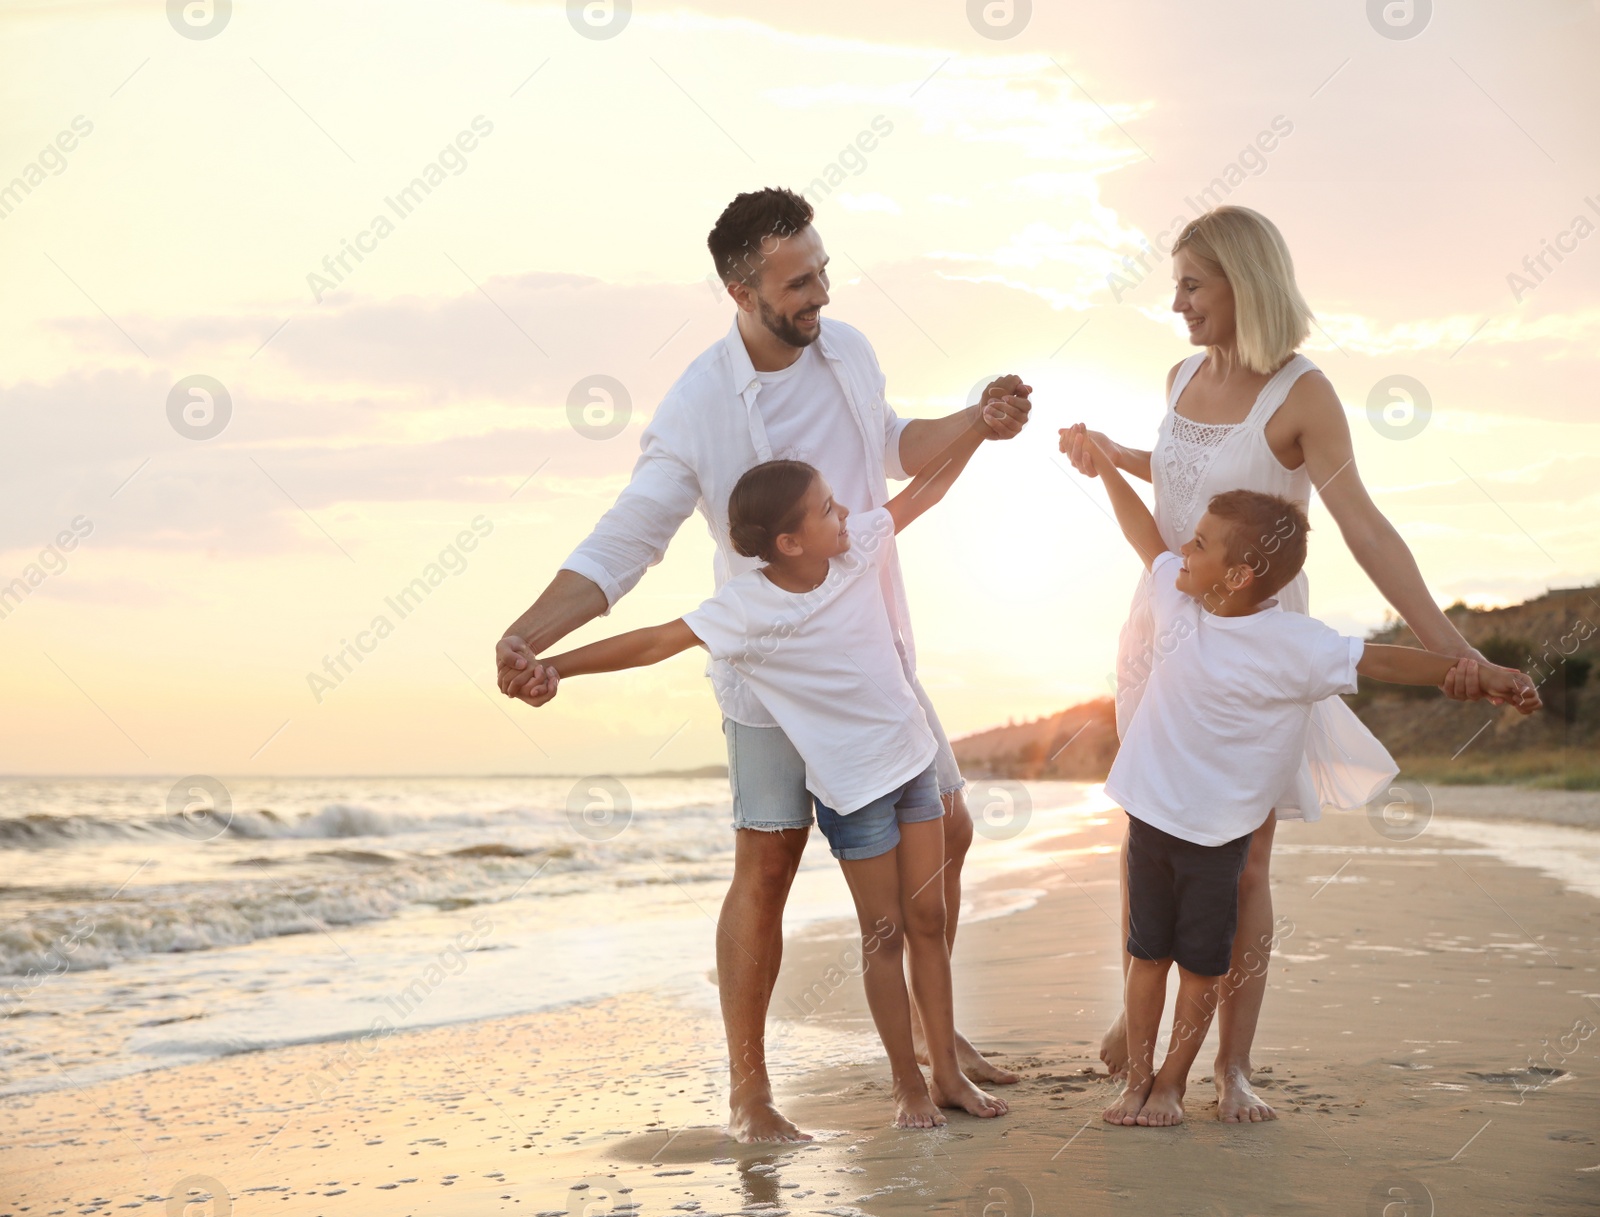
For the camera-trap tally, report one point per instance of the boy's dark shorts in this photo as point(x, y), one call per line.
point(1183, 898)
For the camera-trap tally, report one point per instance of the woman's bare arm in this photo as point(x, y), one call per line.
point(1410, 666)
point(1329, 455)
point(1135, 462)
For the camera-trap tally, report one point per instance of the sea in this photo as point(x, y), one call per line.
point(147, 923)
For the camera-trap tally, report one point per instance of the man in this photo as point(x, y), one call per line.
point(780, 383)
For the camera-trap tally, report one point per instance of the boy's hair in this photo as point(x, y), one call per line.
point(767, 501)
point(749, 228)
point(1265, 532)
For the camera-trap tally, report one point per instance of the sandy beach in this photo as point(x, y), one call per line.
point(1428, 1039)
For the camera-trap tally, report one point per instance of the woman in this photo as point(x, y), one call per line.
point(1248, 412)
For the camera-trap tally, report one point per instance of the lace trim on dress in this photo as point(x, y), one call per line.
point(1185, 458)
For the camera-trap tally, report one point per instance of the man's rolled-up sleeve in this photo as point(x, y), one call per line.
point(634, 534)
point(893, 427)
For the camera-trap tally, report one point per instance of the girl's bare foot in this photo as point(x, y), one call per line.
point(1237, 1101)
point(759, 1120)
point(963, 1094)
point(1164, 1107)
point(915, 1108)
point(1126, 1109)
point(1114, 1046)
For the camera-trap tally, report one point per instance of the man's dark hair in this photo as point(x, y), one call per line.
point(767, 501)
point(749, 228)
point(1265, 532)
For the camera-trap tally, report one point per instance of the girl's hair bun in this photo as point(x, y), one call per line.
point(767, 501)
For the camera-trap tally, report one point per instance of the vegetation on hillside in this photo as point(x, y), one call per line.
point(1555, 638)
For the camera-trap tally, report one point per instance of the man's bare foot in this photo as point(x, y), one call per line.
point(963, 1094)
point(915, 1108)
point(1164, 1107)
point(1126, 1109)
point(1237, 1102)
point(1114, 1046)
point(979, 1067)
point(759, 1120)
point(973, 1063)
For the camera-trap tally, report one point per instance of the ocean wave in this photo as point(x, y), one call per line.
point(93, 934)
point(336, 821)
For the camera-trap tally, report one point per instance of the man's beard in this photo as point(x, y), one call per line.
point(784, 327)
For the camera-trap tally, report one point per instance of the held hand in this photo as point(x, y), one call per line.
point(518, 670)
point(512, 659)
point(1005, 407)
point(1461, 683)
point(1506, 685)
point(1089, 451)
point(537, 694)
point(1080, 446)
point(1004, 417)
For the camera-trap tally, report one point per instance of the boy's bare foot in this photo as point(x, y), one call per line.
point(963, 1094)
point(1114, 1046)
point(760, 1120)
point(1164, 1107)
point(1237, 1102)
point(915, 1108)
point(973, 1063)
point(1126, 1109)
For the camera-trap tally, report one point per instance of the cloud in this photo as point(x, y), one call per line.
point(100, 445)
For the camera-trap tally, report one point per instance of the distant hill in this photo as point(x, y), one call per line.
point(1076, 744)
point(1554, 637)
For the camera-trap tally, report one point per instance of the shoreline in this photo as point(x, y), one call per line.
point(1568, 808)
point(1412, 1037)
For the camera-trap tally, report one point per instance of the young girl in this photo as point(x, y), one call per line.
point(810, 632)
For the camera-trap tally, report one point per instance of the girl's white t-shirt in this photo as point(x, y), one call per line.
point(824, 664)
point(1219, 734)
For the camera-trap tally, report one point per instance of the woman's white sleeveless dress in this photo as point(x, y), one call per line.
point(1345, 765)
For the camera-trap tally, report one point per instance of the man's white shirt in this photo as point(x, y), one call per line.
point(711, 426)
point(805, 414)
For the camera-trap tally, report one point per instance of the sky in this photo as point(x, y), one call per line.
point(225, 454)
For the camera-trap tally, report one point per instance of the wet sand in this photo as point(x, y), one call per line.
point(1429, 1037)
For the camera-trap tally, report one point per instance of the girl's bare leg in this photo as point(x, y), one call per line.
point(875, 887)
point(921, 864)
point(957, 840)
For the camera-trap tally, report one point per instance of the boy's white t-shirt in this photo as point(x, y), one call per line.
point(824, 664)
point(1221, 730)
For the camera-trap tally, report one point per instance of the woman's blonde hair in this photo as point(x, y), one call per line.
point(1270, 315)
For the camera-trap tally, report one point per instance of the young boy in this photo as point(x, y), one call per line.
point(1217, 737)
